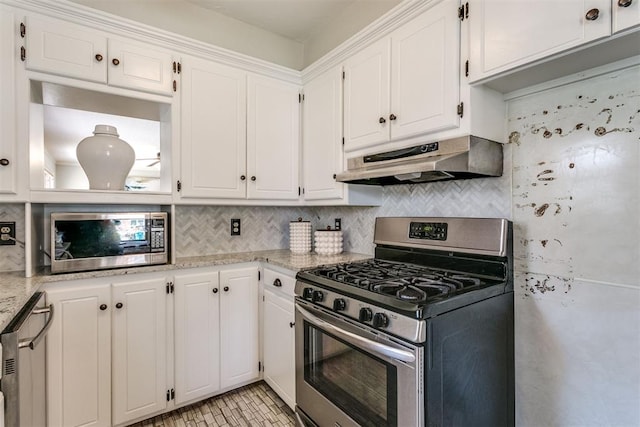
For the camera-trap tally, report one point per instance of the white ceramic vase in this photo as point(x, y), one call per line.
point(105, 158)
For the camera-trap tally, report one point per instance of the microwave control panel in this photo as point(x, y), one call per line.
point(157, 234)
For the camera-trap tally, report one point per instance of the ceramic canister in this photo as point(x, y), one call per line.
point(300, 236)
point(328, 242)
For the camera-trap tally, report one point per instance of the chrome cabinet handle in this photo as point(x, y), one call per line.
point(624, 3)
point(32, 343)
point(592, 15)
point(357, 340)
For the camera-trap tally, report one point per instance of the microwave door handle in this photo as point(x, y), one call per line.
point(376, 347)
point(32, 343)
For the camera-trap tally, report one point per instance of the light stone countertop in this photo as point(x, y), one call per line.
point(15, 289)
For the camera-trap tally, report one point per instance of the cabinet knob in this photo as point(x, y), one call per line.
point(277, 283)
point(253, 178)
point(226, 289)
point(624, 3)
point(115, 61)
point(392, 117)
point(103, 307)
point(382, 120)
point(292, 324)
point(98, 57)
point(4, 162)
point(592, 15)
point(242, 177)
point(215, 290)
point(119, 305)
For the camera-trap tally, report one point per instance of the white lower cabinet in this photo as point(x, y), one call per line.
point(116, 355)
point(79, 356)
point(278, 334)
point(239, 339)
point(139, 342)
point(197, 335)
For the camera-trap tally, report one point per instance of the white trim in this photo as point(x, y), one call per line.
point(573, 78)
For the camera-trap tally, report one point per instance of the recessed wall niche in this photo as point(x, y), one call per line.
point(61, 116)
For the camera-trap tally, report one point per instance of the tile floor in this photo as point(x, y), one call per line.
point(252, 405)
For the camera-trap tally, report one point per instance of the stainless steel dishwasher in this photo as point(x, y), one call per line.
point(23, 364)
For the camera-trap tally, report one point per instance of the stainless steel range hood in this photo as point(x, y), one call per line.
point(458, 158)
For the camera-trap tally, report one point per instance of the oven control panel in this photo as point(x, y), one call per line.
point(428, 230)
point(363, 312)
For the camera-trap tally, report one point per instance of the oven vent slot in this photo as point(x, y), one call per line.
point(10, 366)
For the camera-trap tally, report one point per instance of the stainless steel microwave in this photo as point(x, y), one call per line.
point(93, 241)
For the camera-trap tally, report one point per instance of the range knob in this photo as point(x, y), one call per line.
point(307, 293)
point(380, 320)
point(365, 314)
point(339, 304)
point(318, 296)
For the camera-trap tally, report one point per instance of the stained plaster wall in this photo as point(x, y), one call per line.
point(576, 210)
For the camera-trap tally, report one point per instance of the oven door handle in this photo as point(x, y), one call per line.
point(365, 343)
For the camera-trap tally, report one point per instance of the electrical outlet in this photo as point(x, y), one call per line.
point(337, 224)
point(7, 233)
point(235, 226)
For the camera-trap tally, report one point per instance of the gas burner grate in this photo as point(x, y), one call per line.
point(406, 282)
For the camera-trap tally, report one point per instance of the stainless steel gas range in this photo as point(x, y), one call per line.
point(421, 335)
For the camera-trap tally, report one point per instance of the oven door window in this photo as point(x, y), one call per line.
point(357, 382)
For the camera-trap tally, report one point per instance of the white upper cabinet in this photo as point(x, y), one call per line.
point(240, 134)
point(273, 138)
point(505, 34)
point(322, 136)
point(405, 84)
point(72, 50)
point(625, 14)
point(8, 163)
point(366, 96)
point(214, 115)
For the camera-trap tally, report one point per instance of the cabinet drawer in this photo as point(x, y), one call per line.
point(274, 278)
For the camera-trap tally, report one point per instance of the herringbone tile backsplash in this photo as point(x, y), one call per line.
point(204, 230)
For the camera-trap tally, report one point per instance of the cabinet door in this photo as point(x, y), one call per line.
point(7, 103)
point(505, 34)
point(424, 73)
point(197, 335)
point(278, 349)
point(238, 326)
point(366, 96)
point(66, 49)
point(626, 14)
point(78, 357)
point(322, 136)
point(213, 130)
point(139, 67)
point(139, 348)
point(273, 138)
